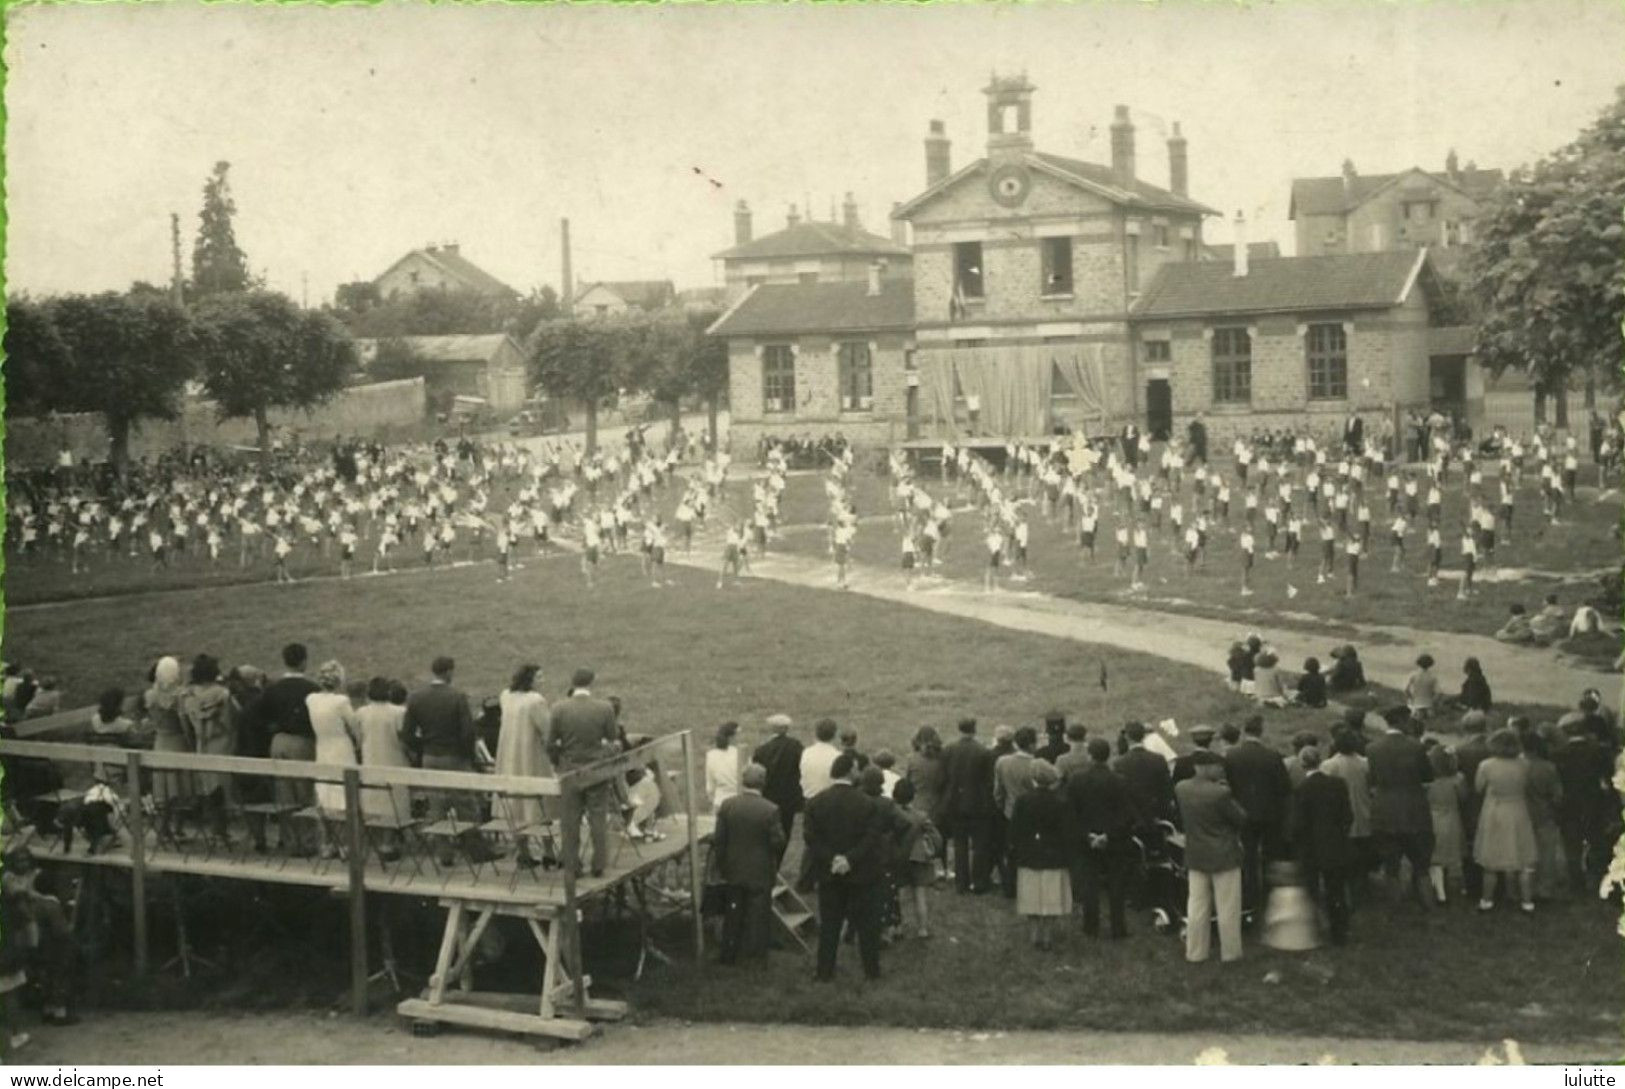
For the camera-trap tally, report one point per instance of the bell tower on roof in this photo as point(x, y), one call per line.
point(1009, 116)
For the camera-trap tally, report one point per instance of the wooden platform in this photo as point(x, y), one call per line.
point(499, 882)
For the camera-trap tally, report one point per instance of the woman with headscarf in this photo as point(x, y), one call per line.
point(205, 710)
point(333, 721)
point(1505, 842)
point(522, 751)
point(170, 789)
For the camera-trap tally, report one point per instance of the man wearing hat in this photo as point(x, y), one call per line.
point(1202, 736)
point(583, 732)
point(1213, 856)
point(746, 848)
point(780, 758)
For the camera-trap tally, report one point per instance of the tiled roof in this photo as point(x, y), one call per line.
point(1356, 281)
point(844, 306)
point(1136, 192)
point(459, 268)
point(1329, 196)
point(1256, 251)
point(814, 239)
point(645, 294)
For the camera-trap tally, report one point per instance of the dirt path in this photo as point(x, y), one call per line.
point(1518, 675)
point(167, 1038)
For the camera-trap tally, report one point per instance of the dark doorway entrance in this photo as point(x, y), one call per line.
point(1447, 383)
point(1159, 409)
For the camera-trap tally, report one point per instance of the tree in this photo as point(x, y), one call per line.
point(1547, 270)
point(396, 358)
point(585, 361)
point(129, 358)
point(219, 266)
point(38, 365)
point(708, 368)
point(260, 351)
point(433, 312)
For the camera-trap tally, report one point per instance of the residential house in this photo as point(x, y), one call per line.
point(1364, 213)
point(808, 251)
point(439, 268)
point(621, 296)
point(491, 366)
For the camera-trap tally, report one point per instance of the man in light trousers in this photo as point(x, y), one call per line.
point(1213, 856)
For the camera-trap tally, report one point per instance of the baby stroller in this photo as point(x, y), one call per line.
point(1163, 879)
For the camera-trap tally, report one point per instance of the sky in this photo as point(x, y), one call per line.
point(358, 133)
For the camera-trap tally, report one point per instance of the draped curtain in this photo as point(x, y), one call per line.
point(1085, 374)
point(1012, 385)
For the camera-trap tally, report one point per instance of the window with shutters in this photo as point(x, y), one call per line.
point(1327, 348)
point(1232, 366)
point(778, 378)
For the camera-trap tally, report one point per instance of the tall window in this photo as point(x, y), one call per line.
point(1057, 264)
point(1232, 366)
point(778, 378)
point(1159, 235)
point(857, 377)
point(1157, 351)
point(1327, 348)
point(968, 269)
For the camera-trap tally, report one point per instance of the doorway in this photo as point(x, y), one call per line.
point(1159, 409)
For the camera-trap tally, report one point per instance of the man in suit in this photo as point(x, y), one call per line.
point(780, 757)
point(1150, 783)
point(1105, 813)
point(1259, 780)
point(1401, 820)
point(1055, 743)
point(1202, 736)
point(583, 732)
point(439, 726)
point(1012, 777)
point(746, 847)
point(1213, 856)
point(1469, 754)
point(1321, 820)
point(279, 727)
point(844, 841)
point(968, 808)
point(1196, 438)
point(1354, 434)
point(1585, 769)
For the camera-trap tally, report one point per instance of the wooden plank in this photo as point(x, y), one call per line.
point(357, 845)
point(696, 877)
point(571, 916)
point(603, 771)
point(136, 821)
point(547, 936)
point(501, 1020)
point(448, 945)
point(464, 968)
point(603, 1009)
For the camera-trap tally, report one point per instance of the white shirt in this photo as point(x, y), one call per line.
point(816, 760)
point(721, 774)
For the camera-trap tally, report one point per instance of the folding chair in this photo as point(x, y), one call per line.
point(380, 827)
point(451, 828)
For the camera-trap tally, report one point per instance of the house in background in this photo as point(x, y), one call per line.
point(1256, 251)
point(702, 300)
point(620, 296)
point(1289, 341)
point(1365, 213)
point(489, 366)
point(808, 251)
point(1026, 264)
point(439, 268)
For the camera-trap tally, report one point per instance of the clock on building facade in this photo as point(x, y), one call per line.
point(1010, 184)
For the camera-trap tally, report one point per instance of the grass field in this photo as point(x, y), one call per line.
point(692, 656)
point(1551, 559)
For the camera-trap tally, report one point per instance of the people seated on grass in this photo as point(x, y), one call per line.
point(1269, 687)
point(1347, 673)
point(1311, 690)
point(1550, 624)
point(1518, 629)
point(1422, 688)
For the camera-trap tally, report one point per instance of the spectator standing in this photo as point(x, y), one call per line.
point(843, 833)
point(1504, 845)
point(747, 845)
point(1259, 780)
point(780, 758)
point(968, 805)
point(1447, 796)
point(287, 719)
point(582, 731)
point(1041, 845)
point(1104, 815)
point(722, 766)
point(1321, 820)
point(1401, 819)
point(1213, 857)
point(1013, 777)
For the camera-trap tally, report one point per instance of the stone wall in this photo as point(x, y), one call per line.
point(818, 409)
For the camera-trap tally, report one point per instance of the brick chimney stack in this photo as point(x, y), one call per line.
point(1240, 268)
point(1348, 179)
point(937, 166)
point(1178, 164)
point(849, 212)
point(741, 223)
point(899, 227)
point(794, 218)
point(1123, 146)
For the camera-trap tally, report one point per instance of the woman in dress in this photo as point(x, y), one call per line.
point(722, 766)
point(1041, 841)
point(1545, 797)
point(170, 789)
point(1505, 843)
point(925, 771)
point(334, 722)
point(1475, 687)
point(379, 722)
point(205, 709)
point(1447, 793)
point(522, 751)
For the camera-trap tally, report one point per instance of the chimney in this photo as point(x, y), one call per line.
point(849, 213)
point(1178, 164)
point(1241, 245)
point(794, 218)
point(567, 291)
point(1123, 146)
point(936, 154)
point(451, 249)
point(874, 278)
point(1348, 179)
point(1451, 166)
point(741, 223)
point(899, 227)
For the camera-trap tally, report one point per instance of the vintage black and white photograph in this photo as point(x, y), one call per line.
point(813, 534)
